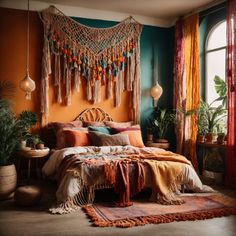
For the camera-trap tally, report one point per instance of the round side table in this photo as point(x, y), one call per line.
point(34, 154)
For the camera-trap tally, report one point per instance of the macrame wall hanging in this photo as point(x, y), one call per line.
point(101, 56)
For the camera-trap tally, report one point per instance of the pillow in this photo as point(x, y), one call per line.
point(49, 135)
point(61, 139)
point(93, 123)
point(135, 137)
point(113, 124)
point(100, 139)
point(74, 138)
point(60, 125)
point(101, 129)
point(120, 129)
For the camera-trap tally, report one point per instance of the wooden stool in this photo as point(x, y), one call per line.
point(27, 195)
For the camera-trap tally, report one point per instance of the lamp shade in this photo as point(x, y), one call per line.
point(28, 86)
point(156, 91)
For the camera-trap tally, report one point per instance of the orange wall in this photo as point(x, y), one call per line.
point(13, 26)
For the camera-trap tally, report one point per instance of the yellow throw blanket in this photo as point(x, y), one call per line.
point(167, 171)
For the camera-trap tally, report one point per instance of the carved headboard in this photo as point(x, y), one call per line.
point(94, 114)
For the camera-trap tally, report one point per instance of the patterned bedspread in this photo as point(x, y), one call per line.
point(79, 171)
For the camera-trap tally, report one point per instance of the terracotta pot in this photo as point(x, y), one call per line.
point(221, 138)
point(210, 137)
point(40, 145)
point(201, 138)
point(161, 140)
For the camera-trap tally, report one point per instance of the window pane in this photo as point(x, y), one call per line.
point(215, 65)
point(217, 37)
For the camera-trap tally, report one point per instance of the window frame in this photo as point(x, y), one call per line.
point(209, 51)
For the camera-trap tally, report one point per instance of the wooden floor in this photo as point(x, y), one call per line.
point(37, 221)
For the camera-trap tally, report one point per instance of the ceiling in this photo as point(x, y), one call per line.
point(164, 11)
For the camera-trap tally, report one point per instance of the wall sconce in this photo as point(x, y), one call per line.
point(27, 84)
point(156, 92)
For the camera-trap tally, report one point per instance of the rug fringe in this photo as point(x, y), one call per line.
point(157, 219)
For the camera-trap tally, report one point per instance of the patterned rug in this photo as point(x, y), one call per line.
point(196, 207)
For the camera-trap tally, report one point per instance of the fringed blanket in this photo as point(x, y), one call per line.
point(127, 175)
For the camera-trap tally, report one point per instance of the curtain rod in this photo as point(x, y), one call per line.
point(203, 8)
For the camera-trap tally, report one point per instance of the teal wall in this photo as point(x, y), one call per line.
point(156, 48)
point(208, 19)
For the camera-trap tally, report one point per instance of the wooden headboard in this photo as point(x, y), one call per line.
point(94, 114)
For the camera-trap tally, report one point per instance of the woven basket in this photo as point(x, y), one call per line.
point(28, 195)
point(8, 181)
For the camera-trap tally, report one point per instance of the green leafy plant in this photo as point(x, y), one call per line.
point(13, 129)
point(33, 140)
point(221, 90)
point(10, 130)
point(28, 119)
point(210, 118)
point(163, 120)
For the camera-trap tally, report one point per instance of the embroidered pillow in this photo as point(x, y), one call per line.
point(100, 139)
point(74, 138)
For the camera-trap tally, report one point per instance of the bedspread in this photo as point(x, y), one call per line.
point(79, 175)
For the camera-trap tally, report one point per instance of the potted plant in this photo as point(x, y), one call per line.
point(212, 117)
point(202, 124)
point(28, 119)
point(10, 130)
point(35, 142)
point(162, 122)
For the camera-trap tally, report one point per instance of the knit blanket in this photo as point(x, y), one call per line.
point(126, 173)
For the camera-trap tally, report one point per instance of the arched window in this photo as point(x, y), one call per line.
point(215, 51)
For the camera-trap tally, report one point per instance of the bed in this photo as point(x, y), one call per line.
point(94, 152)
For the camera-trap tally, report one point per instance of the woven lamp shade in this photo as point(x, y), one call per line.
point(28, 86)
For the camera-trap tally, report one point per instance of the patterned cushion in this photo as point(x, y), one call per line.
point(100, 139)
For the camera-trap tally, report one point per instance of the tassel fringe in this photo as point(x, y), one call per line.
point(157, 219)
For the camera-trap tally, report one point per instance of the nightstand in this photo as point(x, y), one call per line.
point(211, 158)
point(33, 155)
point(165, 146)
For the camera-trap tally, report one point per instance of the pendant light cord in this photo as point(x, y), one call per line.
point(27, 55)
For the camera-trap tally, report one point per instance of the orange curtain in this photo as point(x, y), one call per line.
point(190, 82)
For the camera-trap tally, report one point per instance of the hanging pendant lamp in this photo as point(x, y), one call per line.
point(156, 91)
point(27, 84)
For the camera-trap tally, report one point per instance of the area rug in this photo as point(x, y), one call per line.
point(196, 207)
